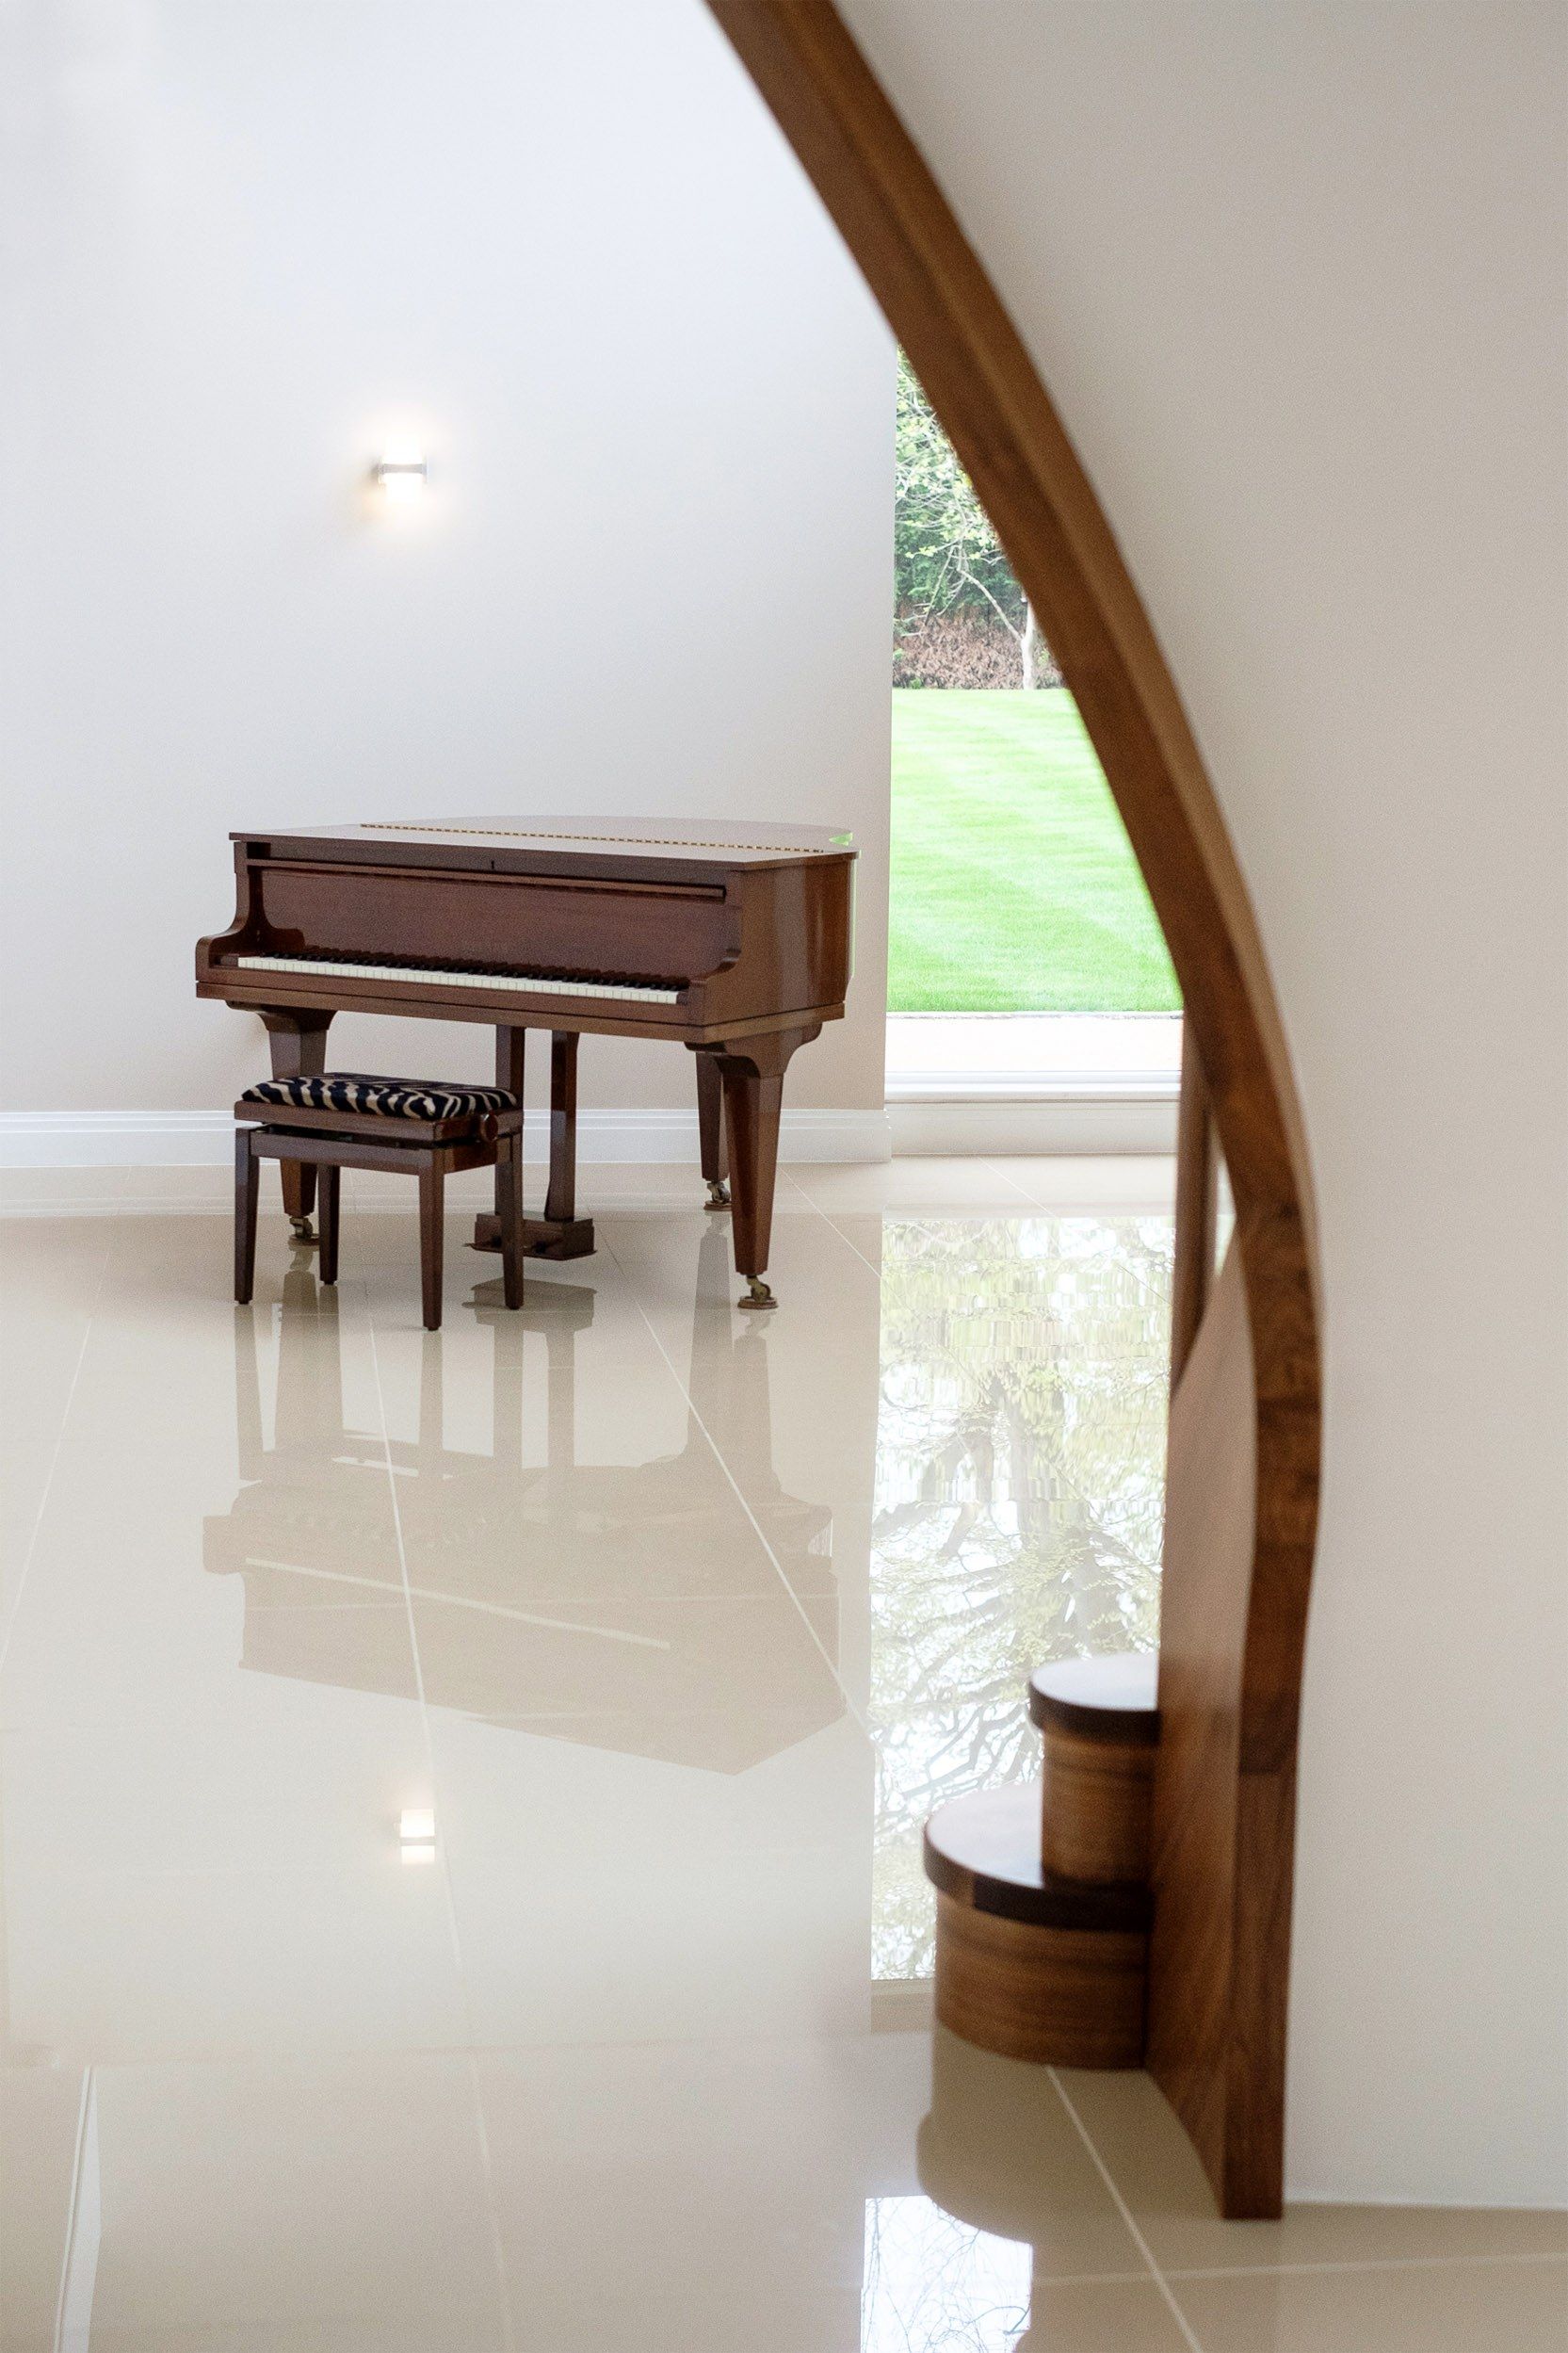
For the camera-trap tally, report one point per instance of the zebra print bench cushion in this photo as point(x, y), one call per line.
point(383, 1098)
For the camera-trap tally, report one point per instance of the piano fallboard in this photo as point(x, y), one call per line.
point(692, 930)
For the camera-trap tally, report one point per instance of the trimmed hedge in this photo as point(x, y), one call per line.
point(961, 647)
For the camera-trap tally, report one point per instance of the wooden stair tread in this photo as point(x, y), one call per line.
point(983, 1851)
point(1109, 1698)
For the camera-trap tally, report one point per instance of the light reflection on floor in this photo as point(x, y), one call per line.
point(933, 2281)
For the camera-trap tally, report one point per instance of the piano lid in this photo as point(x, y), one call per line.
point(522, 841)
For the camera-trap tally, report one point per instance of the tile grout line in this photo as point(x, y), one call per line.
point(1366, 2262)
point(503, 2276)
point(692, 1406)
point(454, 1932)
point(1162, 1211)
point(1022, 1191)
point(363, 1287)
point(834, 1224)
point(13, 1613)
point(719, 1458)
point(1127, 2214)
point(85, 2116)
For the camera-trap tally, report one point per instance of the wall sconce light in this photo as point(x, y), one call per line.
point(400, 474)
point(416, 1834)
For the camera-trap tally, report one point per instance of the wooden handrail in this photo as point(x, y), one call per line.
point(1231, 1654)
point(1196, 1208)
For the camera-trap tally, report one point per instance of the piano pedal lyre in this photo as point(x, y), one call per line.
point(757, 1293)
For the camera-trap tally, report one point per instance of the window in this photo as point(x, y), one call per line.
point(1015, 889)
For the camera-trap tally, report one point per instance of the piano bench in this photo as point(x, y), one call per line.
point(347, 1119)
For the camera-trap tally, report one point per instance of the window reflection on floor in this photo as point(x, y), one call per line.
point(1020, 1465)
point(933, 2283)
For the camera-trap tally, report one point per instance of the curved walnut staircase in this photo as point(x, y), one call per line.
point(1242, 1491)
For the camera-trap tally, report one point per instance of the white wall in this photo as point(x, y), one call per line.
point(1294, 274)
point(566, 248)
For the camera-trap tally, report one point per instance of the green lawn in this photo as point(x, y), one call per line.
point(1015, 889)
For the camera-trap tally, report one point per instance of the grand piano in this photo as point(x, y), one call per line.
point(732, 941)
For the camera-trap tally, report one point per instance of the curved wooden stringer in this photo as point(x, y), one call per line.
point(1242, 1507)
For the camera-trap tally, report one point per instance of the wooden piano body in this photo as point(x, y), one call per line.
point(732, 941)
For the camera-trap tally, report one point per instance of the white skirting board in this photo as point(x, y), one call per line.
point(206, 1139)
point(1093, 1123)
point(1002, 1127)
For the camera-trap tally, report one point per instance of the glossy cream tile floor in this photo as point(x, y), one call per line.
point(460, 1795)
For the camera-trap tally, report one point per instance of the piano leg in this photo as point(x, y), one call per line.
point(298, 1043)
point(560, 1201)
point(754, 1096)
point(559, 1233)
point(710, 1130)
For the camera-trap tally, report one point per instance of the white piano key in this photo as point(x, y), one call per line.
point(521, 984)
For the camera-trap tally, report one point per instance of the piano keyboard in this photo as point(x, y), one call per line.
point(451, 976)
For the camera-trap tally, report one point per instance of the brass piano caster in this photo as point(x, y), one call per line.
point(719, 1194)
point(757, 1294)
point(303, 1233)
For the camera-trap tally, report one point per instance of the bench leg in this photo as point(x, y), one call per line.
point(432, 1203)
point(331, 1200)
point(246, 1188)
point(508, 1194)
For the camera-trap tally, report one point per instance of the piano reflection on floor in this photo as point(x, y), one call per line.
point(629, 1607)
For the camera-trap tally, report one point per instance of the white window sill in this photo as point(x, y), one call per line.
point(1033, 1058)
